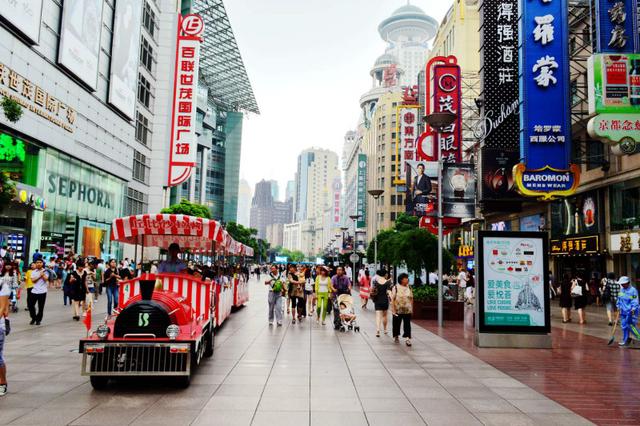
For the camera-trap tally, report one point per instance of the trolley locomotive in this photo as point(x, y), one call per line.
point(163, 332)
point(165, 325)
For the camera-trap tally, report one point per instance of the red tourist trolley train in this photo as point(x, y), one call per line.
point(165, 323)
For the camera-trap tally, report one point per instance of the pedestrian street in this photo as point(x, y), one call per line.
point(260, 375)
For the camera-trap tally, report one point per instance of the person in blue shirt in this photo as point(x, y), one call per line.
point(628, 307)
point(173, 264)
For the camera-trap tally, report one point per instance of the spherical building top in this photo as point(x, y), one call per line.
point(385, 59)
point(408, 23)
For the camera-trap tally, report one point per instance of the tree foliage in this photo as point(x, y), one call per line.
point(12, 109)
point(292, 256)
point(410, 245)
point(7, 189)
point(187, 207)
point(248, 237)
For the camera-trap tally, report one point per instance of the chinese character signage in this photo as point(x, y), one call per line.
point(513, 289)
point(361, 191)
point(581, 245)
point(406, 137)
point(616, 26)
point(34, 98)
point(459, 190)
point(500, 126)
point(182, 154)
point(446, 98)
point(337, 191)
point(545, 143)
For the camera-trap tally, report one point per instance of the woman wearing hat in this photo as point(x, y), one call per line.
point(323, 288)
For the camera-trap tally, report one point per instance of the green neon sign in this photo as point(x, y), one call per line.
point(12, 149)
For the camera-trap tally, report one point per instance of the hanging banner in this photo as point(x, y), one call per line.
point(406, 137)
point(361, 191)
point(499, 129)
point(182, 153)
point(545, 143)
point(459, 190)
point(616, 26)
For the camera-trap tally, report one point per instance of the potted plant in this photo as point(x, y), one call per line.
point(12, 109)
point(425, 305)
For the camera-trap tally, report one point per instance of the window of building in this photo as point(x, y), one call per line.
point(140, 167)
point(146, 54)
point(400, 200)
point(136, 202)
point(393, 215)
point(149, 20)
point(144, 91)
point(595, 154)
point(143, 131)
point(574, 92)
point(393, 200)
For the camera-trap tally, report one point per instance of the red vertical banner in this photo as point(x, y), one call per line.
point(182, 153)
point(447, 97)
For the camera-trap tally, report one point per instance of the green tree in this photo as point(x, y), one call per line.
point(187, 207)
point(7, 189)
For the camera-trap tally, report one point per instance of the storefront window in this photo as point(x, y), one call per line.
point(625, 205)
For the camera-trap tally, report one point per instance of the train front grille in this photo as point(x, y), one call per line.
point(136, 359)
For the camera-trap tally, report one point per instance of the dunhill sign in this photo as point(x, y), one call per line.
point(488, 124)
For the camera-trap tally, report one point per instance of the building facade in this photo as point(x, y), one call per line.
point(245, 194)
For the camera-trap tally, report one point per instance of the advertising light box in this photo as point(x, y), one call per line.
point(512, 285)
point(614, 83)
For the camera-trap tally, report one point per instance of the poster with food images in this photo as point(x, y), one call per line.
point(513, 281)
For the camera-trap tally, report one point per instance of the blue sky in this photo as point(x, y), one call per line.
point(308, 62)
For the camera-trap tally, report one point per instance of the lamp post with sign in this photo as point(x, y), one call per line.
point(375, 193)
point(439, 121)
point(354, 256)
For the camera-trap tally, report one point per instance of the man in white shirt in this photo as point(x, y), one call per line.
point(40, 279)
point(433, 278)
point(463, 277)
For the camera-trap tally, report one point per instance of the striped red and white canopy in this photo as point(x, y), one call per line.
point(161, 230)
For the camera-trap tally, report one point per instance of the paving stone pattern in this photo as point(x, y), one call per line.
point(259, 375)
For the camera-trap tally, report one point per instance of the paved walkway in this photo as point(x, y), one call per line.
point(599, 382)
point(297, 374)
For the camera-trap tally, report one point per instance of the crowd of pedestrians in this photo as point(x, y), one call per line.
point(301, 292)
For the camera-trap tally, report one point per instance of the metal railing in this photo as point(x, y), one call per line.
point(136, 359)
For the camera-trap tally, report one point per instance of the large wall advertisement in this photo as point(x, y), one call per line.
point(80, 39)
point(512, 286)
point(24, 15)
point(124, 56)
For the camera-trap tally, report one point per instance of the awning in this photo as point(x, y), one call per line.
point(161, 230)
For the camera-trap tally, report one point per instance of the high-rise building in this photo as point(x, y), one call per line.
point(408, 31)
point(275, 190)
point(317, 170)
point(245, 194)
point(291, 190)
point(265, 211)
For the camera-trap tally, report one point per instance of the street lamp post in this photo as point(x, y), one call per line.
point(438, 121)
point(355, 218)
point(375, 193)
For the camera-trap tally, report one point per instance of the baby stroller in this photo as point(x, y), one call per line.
point(344, 316)
point(14, 298)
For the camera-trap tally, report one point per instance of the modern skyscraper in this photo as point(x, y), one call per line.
point(275, 190)
point(317, 170)
point(290, 191)
point(265, 211)
point(244, 203)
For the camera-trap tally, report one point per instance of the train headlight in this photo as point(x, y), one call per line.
point(102, 331)
point(173, 331)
